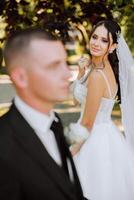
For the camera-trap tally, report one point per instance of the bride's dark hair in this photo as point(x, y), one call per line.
point(113, 28)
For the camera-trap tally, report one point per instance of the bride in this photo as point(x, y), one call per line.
point(102, 154)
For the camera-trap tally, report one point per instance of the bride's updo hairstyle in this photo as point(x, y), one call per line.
point(115, 30)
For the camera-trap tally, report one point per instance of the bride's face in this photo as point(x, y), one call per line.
point(99, 42)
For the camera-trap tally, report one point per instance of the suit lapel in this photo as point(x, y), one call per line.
point(31, 143)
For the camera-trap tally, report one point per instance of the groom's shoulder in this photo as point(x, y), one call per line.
point(4, 118)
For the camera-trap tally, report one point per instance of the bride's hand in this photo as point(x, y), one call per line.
point(75, 148)
point(83, 64)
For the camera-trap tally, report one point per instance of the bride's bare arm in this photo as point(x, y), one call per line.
point(96, 89)
point(95, 93)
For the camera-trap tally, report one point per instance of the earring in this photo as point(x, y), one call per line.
point(110, 51)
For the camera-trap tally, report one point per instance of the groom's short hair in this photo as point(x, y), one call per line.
point(18, 43)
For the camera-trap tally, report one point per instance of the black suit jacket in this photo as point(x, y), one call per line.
point(27, 171)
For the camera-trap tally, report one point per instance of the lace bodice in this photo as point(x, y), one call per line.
point(106, 105)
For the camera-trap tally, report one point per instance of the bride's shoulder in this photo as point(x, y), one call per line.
point(95, 82)
point(95, 76)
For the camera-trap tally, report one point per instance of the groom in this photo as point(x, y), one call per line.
point(35, 163)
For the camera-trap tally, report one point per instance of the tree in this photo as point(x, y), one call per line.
point(60, 16)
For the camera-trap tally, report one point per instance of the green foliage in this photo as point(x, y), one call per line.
point(61, 16)
point(56, 16)
point(126, 21)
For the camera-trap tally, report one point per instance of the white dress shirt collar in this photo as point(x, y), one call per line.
point(37, 120)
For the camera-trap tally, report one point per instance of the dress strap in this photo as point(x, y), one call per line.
point(107, 82)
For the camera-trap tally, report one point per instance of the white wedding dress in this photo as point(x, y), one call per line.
point(105, 163)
